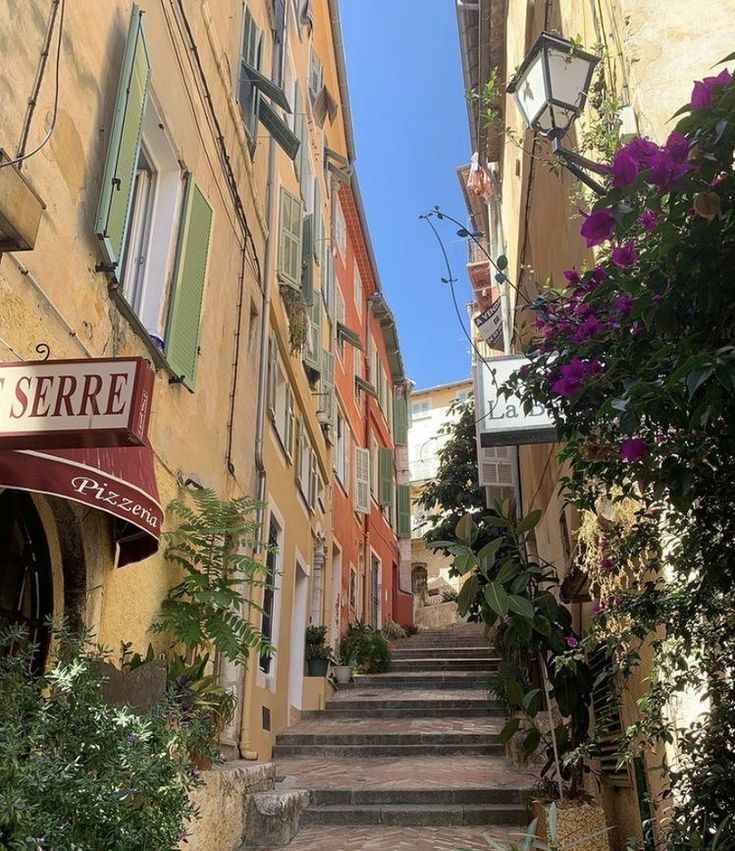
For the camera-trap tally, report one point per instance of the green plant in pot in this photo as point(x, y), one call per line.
point(318, 653)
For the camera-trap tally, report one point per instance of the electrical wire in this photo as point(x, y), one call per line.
point(47, 137)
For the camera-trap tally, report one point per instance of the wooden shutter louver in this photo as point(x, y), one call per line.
point(403, 493)
point(362, 480)
point(122, 152)
point(400, 420)
point(307, 260)
point(313, 348)
point(289, 240)
point(187, 294)
point(385, 465)
point(327, 401)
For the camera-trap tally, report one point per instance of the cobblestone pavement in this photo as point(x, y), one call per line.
point(386, 726)
point(455, 771)
point(379, 838)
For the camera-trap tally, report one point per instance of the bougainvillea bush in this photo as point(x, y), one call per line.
point(635, 357)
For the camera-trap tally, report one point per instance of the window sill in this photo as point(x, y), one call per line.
point(157, 356)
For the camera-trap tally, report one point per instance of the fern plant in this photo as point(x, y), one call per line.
point(212, 544)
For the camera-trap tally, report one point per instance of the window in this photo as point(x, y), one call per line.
point(362, 480)
point(358, 294)
point(360, 584)
point(386, 481)
point(358, 363)
point(316, 75)
point(353, 588)
point(340, 228)
point(403, 526)
point(419, 579)
point(306, 465)
point(341, 454)
point(280, 400)
point(420, 408)
point(289, 240)
point(374, 469)
point(269, 592)
point(340, 317)
point(248, 94)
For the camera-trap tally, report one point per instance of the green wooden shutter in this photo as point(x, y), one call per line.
point(318, 223)
point(400, 420)
point(307, 260)
point(289, 240)
point(122, 151)
point(327, 401)
point(299, 123)
point(313, 349)
point(190, 273)
point(272, 375)
point(385, 463)
point(404, 511)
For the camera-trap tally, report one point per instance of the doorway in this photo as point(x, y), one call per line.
point(375, 585)
point(298, 638)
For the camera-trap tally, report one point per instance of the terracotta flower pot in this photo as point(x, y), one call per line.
point(574, 821)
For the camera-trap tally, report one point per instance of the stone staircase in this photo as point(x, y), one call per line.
point(414, 748)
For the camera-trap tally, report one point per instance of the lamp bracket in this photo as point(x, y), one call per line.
point(578, 165)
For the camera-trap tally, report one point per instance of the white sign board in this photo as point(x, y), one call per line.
point(502, 421)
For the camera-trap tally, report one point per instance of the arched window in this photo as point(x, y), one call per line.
point(419, 578)
point(25, 571)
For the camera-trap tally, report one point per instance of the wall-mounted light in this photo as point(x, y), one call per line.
point(550, 90)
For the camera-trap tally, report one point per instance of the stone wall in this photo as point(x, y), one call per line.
point(223, 804)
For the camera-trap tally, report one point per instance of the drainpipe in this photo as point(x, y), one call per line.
point(246, 749)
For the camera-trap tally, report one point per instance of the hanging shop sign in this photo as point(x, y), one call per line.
point(490, 325)
point(59, 404)
point(503, 421)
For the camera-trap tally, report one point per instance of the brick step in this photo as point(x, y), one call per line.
point(442, 664)
point(417, 814)
point(399, 749)
point(371, 797)
point(474, 652)
point(399, 738)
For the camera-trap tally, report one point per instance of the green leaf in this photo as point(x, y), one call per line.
point(530, 696)
point(697, 378)
point(464, 563)
point(467, 595)
point(466, 530)
point(497, 598)
point(542, 625)
point(530, 521)
point(532, 741)
point(728, 58)
point(508, 569)
point(490, 548)
point(506, 734)
point(514, 693)
point(521, 606)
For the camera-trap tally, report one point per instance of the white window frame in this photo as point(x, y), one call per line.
point(341, 451)
point(362, 480)
point(358, 292)
point(340, 228)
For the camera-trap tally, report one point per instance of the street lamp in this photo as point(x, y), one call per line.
point(550, 90)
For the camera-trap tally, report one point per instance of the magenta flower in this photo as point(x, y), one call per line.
point(625, 255)
point(571, 641)
point(572, 275)
point(624, 168)
point(623, 303)
point(588, 329)
point(598, 226)
point(642, 151)
point(606, 563)
point(598, 607)
point(670, 163)
point(634, 449)
point(648, 220)
point(704, 90)
point(598, 274)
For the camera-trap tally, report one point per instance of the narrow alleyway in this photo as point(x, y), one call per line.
point(409, 759)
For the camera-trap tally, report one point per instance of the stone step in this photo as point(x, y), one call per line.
point(422, 680)
point(474, 652)
point(345, 710)
point(443, 664)
point(393, 739)
point(372, 797)
point(417, 814)
point(397, 749)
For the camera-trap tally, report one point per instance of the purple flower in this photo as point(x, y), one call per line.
point(703, 90)
point(624, 168)
point(591, 327)
point(571, 641)
point(598, 226)
point(623, 303)
point(617, 600)
point(565, 387)
point(670, 163)
point(642, 151)
point(625, 255)
point(634, 449)
point(606, 563)
point(598, 274)
point(572, 275)
point(598, 607)
point(583, 310)
point(648, 220)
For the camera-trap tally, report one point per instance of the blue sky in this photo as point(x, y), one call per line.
point(410, 119)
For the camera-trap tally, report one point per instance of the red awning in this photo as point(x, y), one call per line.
point(118, 480)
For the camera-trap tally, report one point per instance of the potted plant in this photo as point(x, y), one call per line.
point(318, 653)
point(347, 661)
